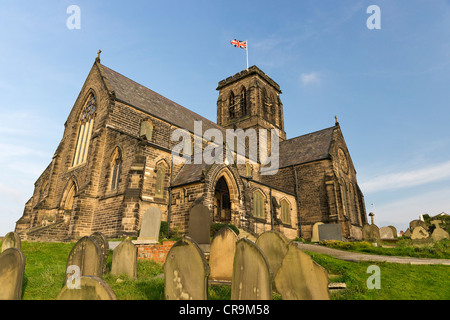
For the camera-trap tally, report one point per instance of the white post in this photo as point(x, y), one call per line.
point(246, 49)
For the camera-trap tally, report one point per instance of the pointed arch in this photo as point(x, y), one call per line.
point(68, 196)
point(231, 105)
point(161, 170)
point(258, 204)
point(116, 168)
point(243, 101)
point(86, 124)
point(285, 211)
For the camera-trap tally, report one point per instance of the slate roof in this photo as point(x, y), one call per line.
point(140, 97)
point(307, 148)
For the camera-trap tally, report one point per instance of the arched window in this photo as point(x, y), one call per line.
point(146, 130)
point(285, 211)
point(231, 106)
point(68, 197)
point(85, 131)
point(244, 110)
point(160, 176)
point(258, 204)
point(116, 165)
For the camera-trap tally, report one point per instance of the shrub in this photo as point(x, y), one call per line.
point(217, 226)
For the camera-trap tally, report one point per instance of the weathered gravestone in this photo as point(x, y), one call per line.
point(199, 225)
point(124, 259)
point(151, 223)
point(438, 233)
point(11, 240)
point(370, 232)
point(252, 279)
point(386, 233)
point(394, 231)
point(12, 268)
point(90, 288)
point(407, 233)
point(419, 233)
point(315, 232)
point(104, 246)
point(330, 231)
point(301, 278)
point(221, 255)
point(186, 272)
point(417, 223)
point(88, 256)
point(274, 245)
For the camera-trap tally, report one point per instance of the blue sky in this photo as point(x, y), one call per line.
point(389, 87)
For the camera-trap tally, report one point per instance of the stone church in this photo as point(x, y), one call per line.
point(115, 161)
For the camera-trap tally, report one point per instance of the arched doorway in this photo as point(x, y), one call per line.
point(222, 203)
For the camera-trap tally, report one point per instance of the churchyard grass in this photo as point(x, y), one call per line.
point(46, 263)
point(403, 247)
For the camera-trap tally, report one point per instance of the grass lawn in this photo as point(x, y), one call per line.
point(46, 263)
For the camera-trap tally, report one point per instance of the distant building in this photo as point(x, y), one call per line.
point(114, 162)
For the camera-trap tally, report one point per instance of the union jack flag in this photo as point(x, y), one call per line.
point(239, 44)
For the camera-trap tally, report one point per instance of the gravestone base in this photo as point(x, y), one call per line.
point(145, 240)
point(205, 248)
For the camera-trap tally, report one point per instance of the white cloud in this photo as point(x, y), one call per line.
point(406, 179)
point(307, 78)
point(400, 212)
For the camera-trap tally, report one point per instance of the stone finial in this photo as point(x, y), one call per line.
point(98, 56)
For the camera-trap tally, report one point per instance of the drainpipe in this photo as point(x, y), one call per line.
point(298, 203)
point(271, 209)
point(170, 196)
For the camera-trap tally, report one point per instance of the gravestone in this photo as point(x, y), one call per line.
point(151, 223)
point(252, 279)
point(301, 278)
point(221, 255)
point(386, 233)
point(90, 288)
point(315, 232)
point(199, 225)
point(88, 256)
point(12, 268)
point(419, 233)
point(438, 233)
point(274, 245)
point(394, 231)
point(11, 240)
point(330, 231)
point(104, 246)
point(124, 259)
point(417, 223)
point(186, 272)
point(370, 232)
point(407, 233)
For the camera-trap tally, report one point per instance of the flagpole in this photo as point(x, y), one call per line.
point(246, 50)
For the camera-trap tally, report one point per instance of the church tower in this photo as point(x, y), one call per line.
point(250, 99)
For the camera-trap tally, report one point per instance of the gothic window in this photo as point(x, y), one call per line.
point(258, 204)
point(146, 130)
point(231, 106)
point(285, 211)
point(85, 131)
point(160, 176)
point(116, 164)
point(244, 108)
